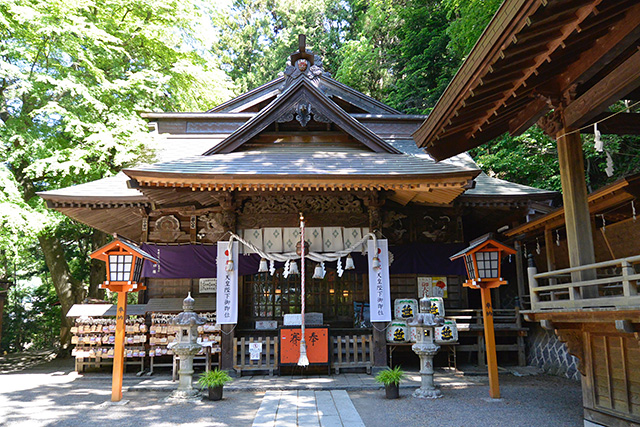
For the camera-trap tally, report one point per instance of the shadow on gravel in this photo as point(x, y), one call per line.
point(538, 401)
point(54, 395)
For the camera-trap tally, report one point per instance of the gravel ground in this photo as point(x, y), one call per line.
point(537, 401)
point(54, 395)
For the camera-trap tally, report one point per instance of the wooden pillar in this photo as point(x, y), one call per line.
point(118, 355)
point(490, 343)
point(374, 204)
point(226, 347)
point(379, 337)
point(576, 209)
point(520, 272)
point(550, 252)
point(229, 221)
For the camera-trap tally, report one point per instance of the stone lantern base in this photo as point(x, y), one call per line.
point(427, 388)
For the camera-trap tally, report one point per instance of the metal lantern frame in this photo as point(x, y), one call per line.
point(483, 261)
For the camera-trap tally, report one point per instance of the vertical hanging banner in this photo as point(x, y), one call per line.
point(379, 291)
point(227, 295)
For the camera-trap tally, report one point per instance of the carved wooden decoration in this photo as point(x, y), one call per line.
point(573, 339)
point(167, 229)
point(283, 204)
point(213, 229)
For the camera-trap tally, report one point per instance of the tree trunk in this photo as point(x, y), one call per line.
point(69, 290)
point(98, 272)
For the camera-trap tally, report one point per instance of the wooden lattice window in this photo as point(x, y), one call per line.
point(267, 297)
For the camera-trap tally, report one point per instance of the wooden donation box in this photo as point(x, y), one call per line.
point(317, 341)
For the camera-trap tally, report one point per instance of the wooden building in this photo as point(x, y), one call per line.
point(562, 64)
point(300, 143)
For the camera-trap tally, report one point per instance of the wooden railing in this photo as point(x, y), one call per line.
point(614, 286)
point(352, 351)
point(268, 359)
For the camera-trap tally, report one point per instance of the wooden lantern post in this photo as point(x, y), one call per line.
point(124, 268)
point(483, 262)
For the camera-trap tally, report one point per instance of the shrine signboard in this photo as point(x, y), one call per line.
point(317, 340)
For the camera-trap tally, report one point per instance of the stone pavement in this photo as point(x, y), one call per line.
point(307, 408)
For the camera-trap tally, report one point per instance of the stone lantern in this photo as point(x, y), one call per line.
point(425, 323)
point(186, 346)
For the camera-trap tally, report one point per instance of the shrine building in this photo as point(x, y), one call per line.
point(302, 143)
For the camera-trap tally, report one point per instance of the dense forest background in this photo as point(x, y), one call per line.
point(74, 77)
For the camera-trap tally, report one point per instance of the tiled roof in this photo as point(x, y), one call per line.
point(305, 163)
point(113, 187)
point(488, 186)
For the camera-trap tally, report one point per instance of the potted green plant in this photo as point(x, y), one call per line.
point(214, 381)
point(391, 379)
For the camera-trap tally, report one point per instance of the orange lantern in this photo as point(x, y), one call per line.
point(483, 262)
point(124, 268)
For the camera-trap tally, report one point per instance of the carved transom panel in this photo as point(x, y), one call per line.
point(283, 204)
point(167, 229)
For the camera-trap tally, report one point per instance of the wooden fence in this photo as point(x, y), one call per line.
point(352, 351)
point(268, 357)
point(348, 351)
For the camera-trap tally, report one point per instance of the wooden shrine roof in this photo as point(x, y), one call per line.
point(303, 131)
point(534, 56)
point(605, 200)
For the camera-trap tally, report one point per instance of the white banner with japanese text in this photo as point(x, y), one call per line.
point(227, 295)
point(379, 291)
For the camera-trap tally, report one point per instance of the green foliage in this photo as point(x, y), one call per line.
point(255, 38)
point(422, 65)
point(215, 378)
point(391, 376)
point(531, 159)
point(31, 318)
point(73, 78)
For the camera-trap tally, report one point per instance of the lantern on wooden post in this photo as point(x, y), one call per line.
point(483, 262)
point(124, 270)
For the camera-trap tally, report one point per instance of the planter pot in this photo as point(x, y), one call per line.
point(392, 391)
point(215, 393)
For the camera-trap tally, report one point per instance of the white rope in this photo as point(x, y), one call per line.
point(313, 256)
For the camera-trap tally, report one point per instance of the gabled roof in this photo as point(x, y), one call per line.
point(302, 93)
point(332, 88)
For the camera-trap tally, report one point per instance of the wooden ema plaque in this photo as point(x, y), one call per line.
point(316, 339)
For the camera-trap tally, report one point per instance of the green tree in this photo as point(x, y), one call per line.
point(255, 38)
point(73, 77)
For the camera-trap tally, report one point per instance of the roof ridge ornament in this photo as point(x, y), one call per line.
point(303, 63)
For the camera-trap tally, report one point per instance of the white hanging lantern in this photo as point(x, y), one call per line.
point(293, 268)
point(318, 273)
point(263, 268)
point(348, 265)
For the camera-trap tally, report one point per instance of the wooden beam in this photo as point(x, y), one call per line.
point(622, 80)
point(620, 37)
point(529, 116)
point(564, 32)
